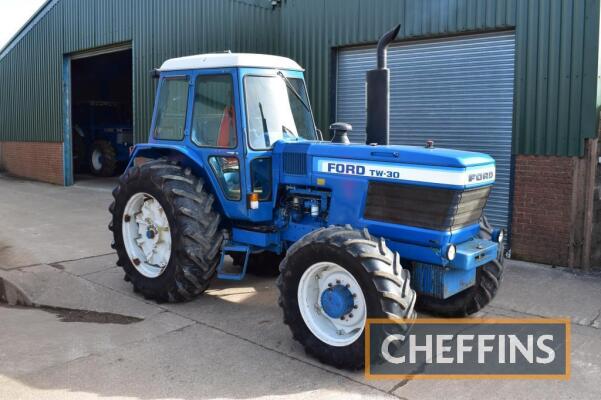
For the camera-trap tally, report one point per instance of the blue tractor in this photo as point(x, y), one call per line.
point(101, 137)
point(236, 167)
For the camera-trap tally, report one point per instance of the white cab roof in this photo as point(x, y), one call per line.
point(224, 60)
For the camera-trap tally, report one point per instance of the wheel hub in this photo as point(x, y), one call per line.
point(146, 234)
point(337, 301)
point(151, 232)
point(332, 303)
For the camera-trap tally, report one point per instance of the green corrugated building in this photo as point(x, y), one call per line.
point(518, 79)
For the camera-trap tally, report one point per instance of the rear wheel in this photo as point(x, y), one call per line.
point(165, 230)
point(103, 159)
point(331, 281)
point(473, 299)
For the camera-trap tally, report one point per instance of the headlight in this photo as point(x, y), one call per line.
point(451, 252)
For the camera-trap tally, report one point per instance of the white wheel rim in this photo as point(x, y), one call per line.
point(97, 160)
point(146, 234)
point(337, 332)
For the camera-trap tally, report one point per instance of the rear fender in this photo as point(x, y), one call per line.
point(143, 153)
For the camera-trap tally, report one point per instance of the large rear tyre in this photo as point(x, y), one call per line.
point(473, 299)
point(165, 231)
point(103, 159)
point(331, 281)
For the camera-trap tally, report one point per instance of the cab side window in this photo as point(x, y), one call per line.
point(227, 172)
point(214, 116)
point(171, 109)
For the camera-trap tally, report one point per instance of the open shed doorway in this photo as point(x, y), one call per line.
point(101, 114)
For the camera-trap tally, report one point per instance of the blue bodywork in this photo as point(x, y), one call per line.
point(331, 180)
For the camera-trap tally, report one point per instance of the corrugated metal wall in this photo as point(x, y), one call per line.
point(457, 92)
point(556, 59)
point(30, 85)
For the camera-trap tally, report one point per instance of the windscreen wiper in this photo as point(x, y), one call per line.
point(265, 129)
point(293, 90)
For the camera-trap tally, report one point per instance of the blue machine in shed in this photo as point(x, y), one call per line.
point(235, 166)
point(102, 137)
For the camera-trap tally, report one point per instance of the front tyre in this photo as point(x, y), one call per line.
point(331, 282)
point(165, 231)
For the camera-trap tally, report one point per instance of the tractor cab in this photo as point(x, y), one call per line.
point(228, 110)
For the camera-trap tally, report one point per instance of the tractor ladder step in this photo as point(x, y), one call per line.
point(231, 275)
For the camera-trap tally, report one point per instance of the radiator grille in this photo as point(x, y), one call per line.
point(295, 163)
point(425, 207)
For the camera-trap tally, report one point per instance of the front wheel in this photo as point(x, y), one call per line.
point(331, 282)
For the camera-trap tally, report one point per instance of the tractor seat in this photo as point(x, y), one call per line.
point(215, 130)
point(227, 130)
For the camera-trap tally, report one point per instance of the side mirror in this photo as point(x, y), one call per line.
point(340, 130)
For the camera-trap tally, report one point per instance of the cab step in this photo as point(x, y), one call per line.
point(231, 275)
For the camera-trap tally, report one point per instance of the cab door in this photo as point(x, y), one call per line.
point(215, 134)
point(258, 106)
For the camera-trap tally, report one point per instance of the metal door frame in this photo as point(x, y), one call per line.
point(67, 100)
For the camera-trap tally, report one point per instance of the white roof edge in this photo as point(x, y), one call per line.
point(225, 60)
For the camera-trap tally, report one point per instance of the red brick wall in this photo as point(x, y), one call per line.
point(542, 207)
point(41, 161)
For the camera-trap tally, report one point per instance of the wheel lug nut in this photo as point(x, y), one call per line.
point(338, 281)
point(342, 318)
point(330, 284)
point(355, 306)
point(354, 294)
point(126, 218)
point(347, 286)
point(350, 315)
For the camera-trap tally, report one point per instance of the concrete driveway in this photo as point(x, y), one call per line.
point(46, 223)
point(98, 339)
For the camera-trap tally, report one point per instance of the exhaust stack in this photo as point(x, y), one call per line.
point(378, 94)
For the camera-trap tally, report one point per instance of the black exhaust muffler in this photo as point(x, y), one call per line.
point(378, 94)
